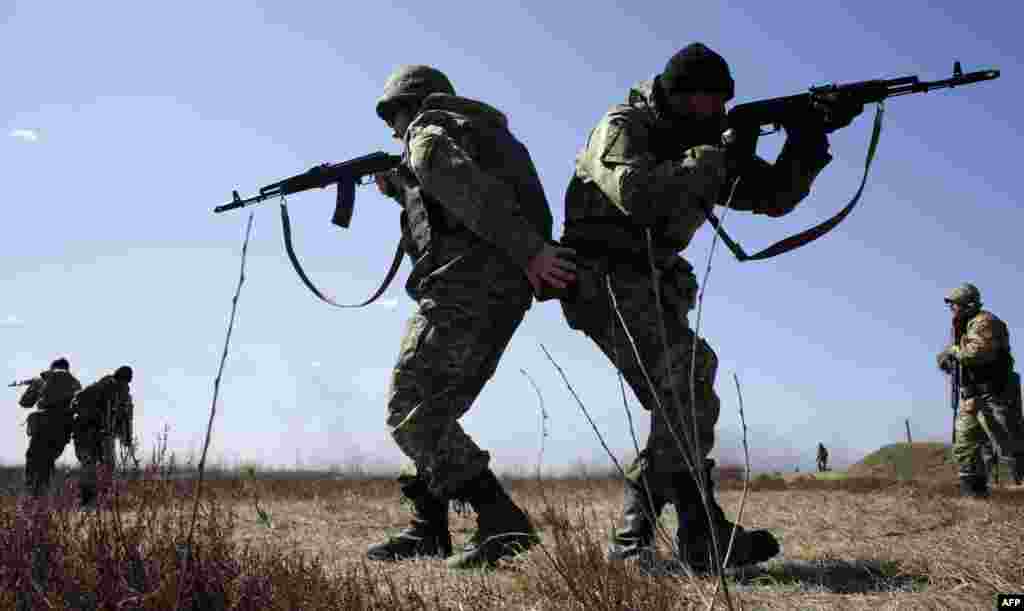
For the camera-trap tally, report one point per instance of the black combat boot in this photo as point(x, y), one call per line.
point(428, 534)
point(695, 526)
point(503, 529)
point(640, 513)
point(1015, 465)
point(87, 495)
point(974, 486)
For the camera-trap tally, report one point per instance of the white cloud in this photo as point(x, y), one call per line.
point(27, 135)
point(315, 363)
point(11, 321)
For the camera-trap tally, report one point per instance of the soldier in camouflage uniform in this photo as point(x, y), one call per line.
point(103, 413)
point(989, 391)
point(476, 225)
point(656, 163)
point(49, 428)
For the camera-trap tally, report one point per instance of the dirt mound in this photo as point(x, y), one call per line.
point(925, 460)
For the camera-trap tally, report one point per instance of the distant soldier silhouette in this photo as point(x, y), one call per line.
point(822, 458)
point(103, 412)
point(49, 427)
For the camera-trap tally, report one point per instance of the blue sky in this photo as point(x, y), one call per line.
point(124, 124)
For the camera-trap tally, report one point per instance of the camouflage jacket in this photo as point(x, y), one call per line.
point(468, 188)
point(984, 350)
point(51, 389)
point(105, 406)
point(637, 169)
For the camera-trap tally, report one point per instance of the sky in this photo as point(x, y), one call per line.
point(124, 124)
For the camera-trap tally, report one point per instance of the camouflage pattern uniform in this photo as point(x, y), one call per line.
point(474, 214)
point(104, 412)
point(990, 397)
point(642, 168)
point(49, 428)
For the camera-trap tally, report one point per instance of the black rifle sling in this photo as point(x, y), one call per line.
point(286, 229)
point(809, 235)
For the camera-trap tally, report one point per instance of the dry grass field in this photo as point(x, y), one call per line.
point(290, 542)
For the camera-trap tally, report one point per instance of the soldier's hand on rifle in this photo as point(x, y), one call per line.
point(552, 266)
point(835, 111)
point(385, 184)
point(946, 361)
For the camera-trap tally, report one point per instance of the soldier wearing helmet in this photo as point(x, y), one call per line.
point(477, 226)
point(49, 427)
point(990, 404)
point(651, 167)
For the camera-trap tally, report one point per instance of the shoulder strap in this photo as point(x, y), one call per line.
point(808, 235)
point(286, 228)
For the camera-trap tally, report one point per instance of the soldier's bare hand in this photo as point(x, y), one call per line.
point(552, 266)
point(384, 184)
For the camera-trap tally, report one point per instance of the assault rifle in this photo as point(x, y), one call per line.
point(346, 175)
point(747, 120)
point(745, 123)
point(955, 381)
point(29, 381)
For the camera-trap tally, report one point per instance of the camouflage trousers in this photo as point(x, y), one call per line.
point(93, 448)
point(450, 349)
point(989, 417)
point(49, 434)
point(683, 416)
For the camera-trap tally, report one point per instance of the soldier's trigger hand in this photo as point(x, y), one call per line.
point(712, 161)
point(835, 112)
point(384, 184)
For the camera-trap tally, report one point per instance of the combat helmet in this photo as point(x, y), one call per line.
point(697, 68)
point(410, 84)
point(966, 295)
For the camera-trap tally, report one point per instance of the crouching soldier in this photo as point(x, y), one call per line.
point(103, 412)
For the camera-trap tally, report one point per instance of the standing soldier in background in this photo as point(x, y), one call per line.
point(822, 458)
point(989, 391)
point(104, 411)
point(476, 225)
point(656, 163)
point(49, 428)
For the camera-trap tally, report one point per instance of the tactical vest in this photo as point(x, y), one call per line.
point(495, 151)
point(990, 377)
point(58, 391)
point(98, 402)
point(423, 218)
point(614, 234)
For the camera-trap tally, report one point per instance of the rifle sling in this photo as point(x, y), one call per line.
point(809, 235)
point(286, 229)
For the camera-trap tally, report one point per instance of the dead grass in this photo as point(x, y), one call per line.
point(291, 543)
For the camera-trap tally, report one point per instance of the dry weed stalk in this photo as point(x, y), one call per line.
point(216, 391)
point(543, 424)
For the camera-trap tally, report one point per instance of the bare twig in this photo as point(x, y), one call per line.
point(691, 451)
point(543, 423)
point(649, 508)
point(585, 412)
point(216, 393)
